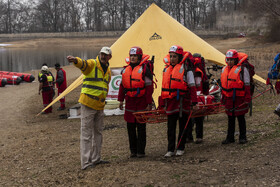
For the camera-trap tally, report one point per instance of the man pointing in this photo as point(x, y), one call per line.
point(97, 75)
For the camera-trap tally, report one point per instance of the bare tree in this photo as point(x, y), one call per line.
point(99, 15)
point(9, 19)
point(47, 12)
point(89, 14)
point(270, 9)
point(123, 13)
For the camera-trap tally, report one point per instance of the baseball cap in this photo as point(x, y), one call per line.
point(106, 50)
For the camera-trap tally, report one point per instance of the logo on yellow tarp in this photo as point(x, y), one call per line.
point(155, 37)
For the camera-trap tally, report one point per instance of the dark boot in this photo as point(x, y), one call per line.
point(227, 141)
point(242, 141)
point(276, 112)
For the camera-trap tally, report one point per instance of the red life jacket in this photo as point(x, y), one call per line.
point(230, 81)
point(199, 63)
point(199, 87)
point(63, 85)
point(243, 62)
point(242, 57)
point(132, 79)
point(173, 83)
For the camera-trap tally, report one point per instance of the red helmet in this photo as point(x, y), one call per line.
point(232, 53)
point(176, 49)
point(135, 51)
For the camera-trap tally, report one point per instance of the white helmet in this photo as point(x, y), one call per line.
point(45, 68)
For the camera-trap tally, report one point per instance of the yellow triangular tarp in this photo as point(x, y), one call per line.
point(155, 32)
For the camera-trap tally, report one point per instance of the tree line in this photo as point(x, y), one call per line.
point(17, 16)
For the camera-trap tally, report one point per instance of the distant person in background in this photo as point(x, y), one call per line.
point(97, 75)
point(40, 74)
point(137, 90)
point(46, 86)
point(61, 84)
point(274, 73)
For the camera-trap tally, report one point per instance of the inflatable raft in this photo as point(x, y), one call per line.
point(11, 79)
point(24, 76)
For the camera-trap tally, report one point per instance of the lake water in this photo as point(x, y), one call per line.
point(27, 59)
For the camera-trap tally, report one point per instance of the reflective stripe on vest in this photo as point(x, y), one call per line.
point(127, 60)
point(95, 84)
point(132, 79)
point(173, 82)
point(50, 78)
point(230, 79)
point(166, 60)
point(49, 82)
point(172, 111)
point(177, 110)
point(133, 82)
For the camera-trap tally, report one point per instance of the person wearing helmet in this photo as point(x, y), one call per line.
point(136, 89)
point(202, 88)
point(235, 83)
point(61, 84)
point(274, 74)
point(177, 96)
point(46, 86)
point(97, 76)
point(40, 74)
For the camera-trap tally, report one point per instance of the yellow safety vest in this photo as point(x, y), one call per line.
point(95, 84)
point(50, 80)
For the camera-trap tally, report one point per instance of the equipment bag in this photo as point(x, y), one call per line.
point(200, 63)
point(243, 60)
point(274, 69)
point(149, 66)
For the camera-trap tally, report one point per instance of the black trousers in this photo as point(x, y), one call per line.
point(231, 127)
point(198, 128)
point(171, 131)
point(137, 137)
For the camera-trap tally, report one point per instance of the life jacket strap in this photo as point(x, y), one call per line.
point(231, 89)
point(172, 90)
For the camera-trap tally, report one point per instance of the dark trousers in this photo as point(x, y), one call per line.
point(231, 127)
point(137, 137)
point(171, 131)
point(199, 127)
point(198, 121)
